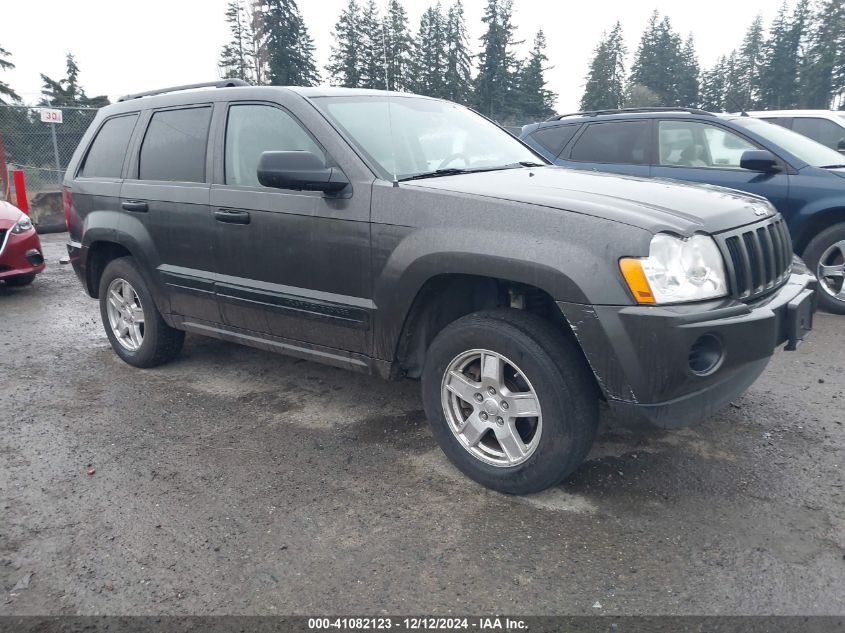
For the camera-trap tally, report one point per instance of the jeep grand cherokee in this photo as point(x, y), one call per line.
point(405, 236)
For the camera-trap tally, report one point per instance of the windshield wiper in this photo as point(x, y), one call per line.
point(453, 171)
point(832, 166)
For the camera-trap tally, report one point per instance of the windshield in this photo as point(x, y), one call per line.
point(427, 135)
point(804, 148)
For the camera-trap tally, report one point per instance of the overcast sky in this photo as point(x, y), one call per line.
point(124, 47)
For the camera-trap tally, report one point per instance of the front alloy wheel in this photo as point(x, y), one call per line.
point(831, 270)
point(126, 314)
point(491, 408)
point(510, 399)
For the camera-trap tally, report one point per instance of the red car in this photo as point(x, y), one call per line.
point(20, 249)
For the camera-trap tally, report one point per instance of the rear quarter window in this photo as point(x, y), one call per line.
point(617, 142)
point(555, 137)
point(107, 152)
point(175, 144)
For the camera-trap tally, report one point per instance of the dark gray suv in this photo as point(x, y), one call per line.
point(410, 237)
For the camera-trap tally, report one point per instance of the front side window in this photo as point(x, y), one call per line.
point(411, 136)
point(174, 145)
point(693, 144)
point(105, 158)
point(805, 149)
point(252, 129)
point(821, 130)
point(617, 142)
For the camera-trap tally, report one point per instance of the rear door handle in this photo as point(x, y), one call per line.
point(138, 206)
point(231, 217)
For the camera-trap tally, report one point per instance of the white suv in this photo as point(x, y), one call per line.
point(825, 126)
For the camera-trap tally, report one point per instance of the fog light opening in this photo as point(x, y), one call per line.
point(705, 355)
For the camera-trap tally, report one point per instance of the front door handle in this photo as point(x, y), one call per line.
point(138, 206)
point(231, 217)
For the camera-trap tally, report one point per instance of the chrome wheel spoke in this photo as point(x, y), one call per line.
point(524, 405)
point(511, 443)
point(462, 386)
point(492, 370)
point(837, 270)
point(473, 429)
point(135, 334)
point(137, 314)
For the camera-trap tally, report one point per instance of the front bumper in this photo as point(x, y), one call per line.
point(21, 254)
point(641, 355)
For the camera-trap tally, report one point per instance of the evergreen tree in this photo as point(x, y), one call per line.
point(688, 72)
point(712, 92)
point(535, 100)
point(750, 60)
point(431, 54)
point(236, 60)
point(6, 90)
point(372, 57)
point(345, 62)
point(287, 47)
point(658, 60)
point(457, 82)
point(779, 74)
point(497, 70)
point(735, 81)
point(824, 57)
point(67, 92)
point(400, 45)
point(605, 88)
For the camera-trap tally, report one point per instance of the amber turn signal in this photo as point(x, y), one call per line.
point(632, 271)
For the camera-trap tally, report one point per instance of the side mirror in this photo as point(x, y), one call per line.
point(758, 160)
point(299, 171)
point(841, 145)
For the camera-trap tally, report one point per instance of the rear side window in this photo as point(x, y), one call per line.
point(174, 145)
point(554, 138)
point(105, 157)
point(618, 142)
point(821, 130)
point(253, 129)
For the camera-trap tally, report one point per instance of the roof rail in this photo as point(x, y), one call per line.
point(224, 83)
point(558, 117)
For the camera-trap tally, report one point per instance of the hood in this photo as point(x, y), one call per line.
point(9, 214)
point(647, 203)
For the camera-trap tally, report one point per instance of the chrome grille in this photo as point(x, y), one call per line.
point(758, 257)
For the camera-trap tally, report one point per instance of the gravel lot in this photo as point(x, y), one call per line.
point(236, 481)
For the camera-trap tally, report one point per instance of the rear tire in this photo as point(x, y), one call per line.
point(20, 281)
point(133, 324)
point(826, 253)
point(540, 367)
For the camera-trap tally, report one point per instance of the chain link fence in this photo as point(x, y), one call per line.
point(41, 149)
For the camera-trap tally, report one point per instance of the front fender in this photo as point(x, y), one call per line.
point(418, 255)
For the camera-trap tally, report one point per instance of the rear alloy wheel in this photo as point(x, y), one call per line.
point(136, 330)
point(825, 256)
point(510, 400)
point(126, 315)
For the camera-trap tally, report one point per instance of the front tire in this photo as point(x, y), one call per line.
point(133, 324)
point(510, 400)
point(825, 256)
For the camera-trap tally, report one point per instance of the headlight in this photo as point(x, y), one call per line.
point(23, 224)
point(676, 270)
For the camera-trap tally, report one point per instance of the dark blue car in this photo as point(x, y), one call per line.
point(802, 178)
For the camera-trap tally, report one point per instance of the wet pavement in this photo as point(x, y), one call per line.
point(237, 481)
